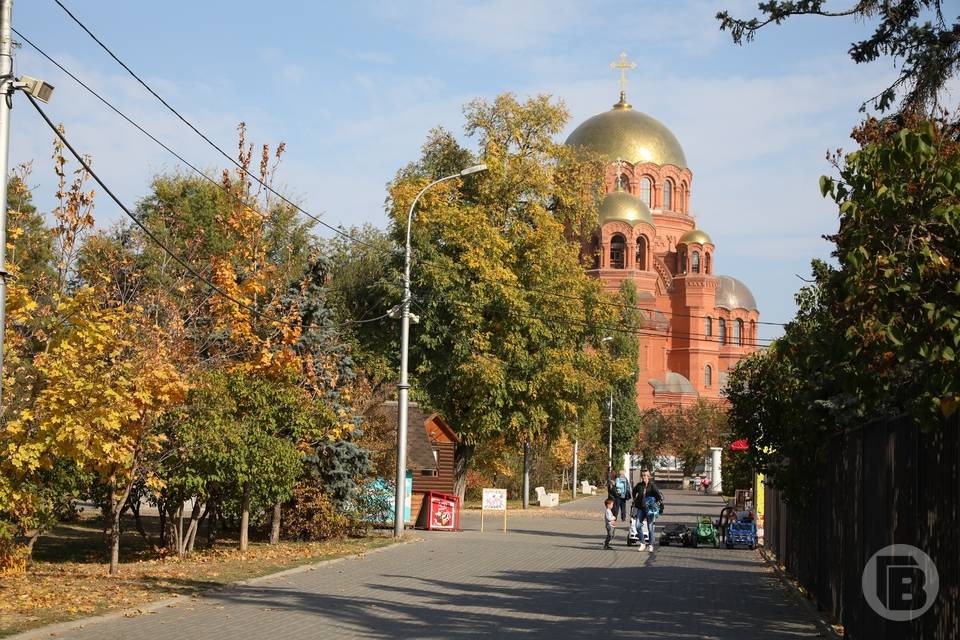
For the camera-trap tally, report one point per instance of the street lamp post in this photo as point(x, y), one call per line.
point(610, 438)
point(404, 386)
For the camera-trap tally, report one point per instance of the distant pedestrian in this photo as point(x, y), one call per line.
point(618, 490)
point(648, 502)
point(609, 521)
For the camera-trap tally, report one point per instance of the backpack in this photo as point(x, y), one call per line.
point(621, 487)
point(651, 507)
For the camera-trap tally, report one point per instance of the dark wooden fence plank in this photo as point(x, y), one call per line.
point(883, 484)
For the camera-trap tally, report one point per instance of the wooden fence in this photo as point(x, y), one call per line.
point(886, 483)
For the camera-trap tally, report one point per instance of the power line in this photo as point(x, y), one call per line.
point(627, 328)
point(251, 175)
point(604, 303)
point(226, 155)
point(153, 238)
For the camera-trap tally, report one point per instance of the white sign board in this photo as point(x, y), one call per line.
point(494, 500)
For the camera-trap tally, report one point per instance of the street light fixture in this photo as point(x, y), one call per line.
point(404, 386)
point(610, 438)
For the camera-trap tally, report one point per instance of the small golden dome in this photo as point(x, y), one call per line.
point(732, 294)
point(695, 236)
point(620, 205)
point(630, 136)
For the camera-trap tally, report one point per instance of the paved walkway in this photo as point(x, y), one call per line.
point(548, 577)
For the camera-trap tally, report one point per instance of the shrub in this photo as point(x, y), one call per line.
point(311, 515)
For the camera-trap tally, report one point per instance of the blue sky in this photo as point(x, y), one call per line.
point(353, 88)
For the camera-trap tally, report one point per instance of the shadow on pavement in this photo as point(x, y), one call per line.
point(640, 602)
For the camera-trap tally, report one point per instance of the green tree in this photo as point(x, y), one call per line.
point(494, 354)
point(625, 349)
point(913, 33)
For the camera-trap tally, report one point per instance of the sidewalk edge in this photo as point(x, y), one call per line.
point(826, 629)
point(150, 607)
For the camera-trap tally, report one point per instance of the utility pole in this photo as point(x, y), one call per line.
point(6, 97)
point(526, 475)
point(576, 446)
point(610, 442)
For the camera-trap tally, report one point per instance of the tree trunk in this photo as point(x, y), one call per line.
point(31, 541)
point(135, 508)
point(196, 528)
point(212, 524)
point(461, 462)
point(179, 529)
point(245, 517)
point(116, 509)
point(162, 508)
point(275, 524)
point(192, 528)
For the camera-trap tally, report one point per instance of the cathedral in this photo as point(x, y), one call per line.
point(695, 324)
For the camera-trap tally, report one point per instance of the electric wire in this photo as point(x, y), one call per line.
point(268, 187)
point(218, 184)
point(206, 139)
point(626, 328)
point(156, 240)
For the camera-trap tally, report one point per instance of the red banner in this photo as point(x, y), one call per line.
point(739, 445)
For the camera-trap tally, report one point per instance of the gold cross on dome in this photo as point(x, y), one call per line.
point(623, 64)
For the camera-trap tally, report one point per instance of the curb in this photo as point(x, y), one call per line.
point(825, 628)
point(151, 607)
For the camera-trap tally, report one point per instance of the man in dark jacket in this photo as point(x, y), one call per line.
point(618, 489)
point(644, 489)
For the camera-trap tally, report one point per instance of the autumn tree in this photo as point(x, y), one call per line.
point(494, 352)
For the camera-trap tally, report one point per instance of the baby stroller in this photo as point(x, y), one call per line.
point(636, 533)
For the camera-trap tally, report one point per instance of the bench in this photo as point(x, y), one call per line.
point(547, 499)
point(668, 478)
point(587, 489)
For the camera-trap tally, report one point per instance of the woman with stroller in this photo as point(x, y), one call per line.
point(647, 504)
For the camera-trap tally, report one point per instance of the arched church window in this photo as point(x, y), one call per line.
point(668, 195)
point(695, 262)
point(646, 190)
point(642, 253)
point(722, 331)
point(708, 327)
point(707, 376)
point(684, 204)
point(618, 249)
point(623, 182)
point(681, 261)
point(753, 331)
point(738, 332)
point(706, 263)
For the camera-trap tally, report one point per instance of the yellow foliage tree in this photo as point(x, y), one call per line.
point(106, 378)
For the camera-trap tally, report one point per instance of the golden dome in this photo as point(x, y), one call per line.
point(630, 136)
point(620, 205)
point(732, 294)
point(695, 236)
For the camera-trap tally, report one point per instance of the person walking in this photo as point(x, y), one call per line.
point(648, 501)
point(609, 521)
point(618, 490)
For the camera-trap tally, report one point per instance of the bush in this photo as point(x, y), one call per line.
point(13, 556)
point(311, 515)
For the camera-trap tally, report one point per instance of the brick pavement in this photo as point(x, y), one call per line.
point(546, 578)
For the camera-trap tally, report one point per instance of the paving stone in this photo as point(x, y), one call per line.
point(547, 577)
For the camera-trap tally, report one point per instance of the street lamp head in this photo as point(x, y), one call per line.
point(37, 88)
point(607, 339)
point(477, 168)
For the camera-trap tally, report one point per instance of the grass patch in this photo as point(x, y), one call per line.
point(69, 580)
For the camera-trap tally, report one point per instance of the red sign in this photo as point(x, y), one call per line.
point(739, 445)
point(443, 512)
